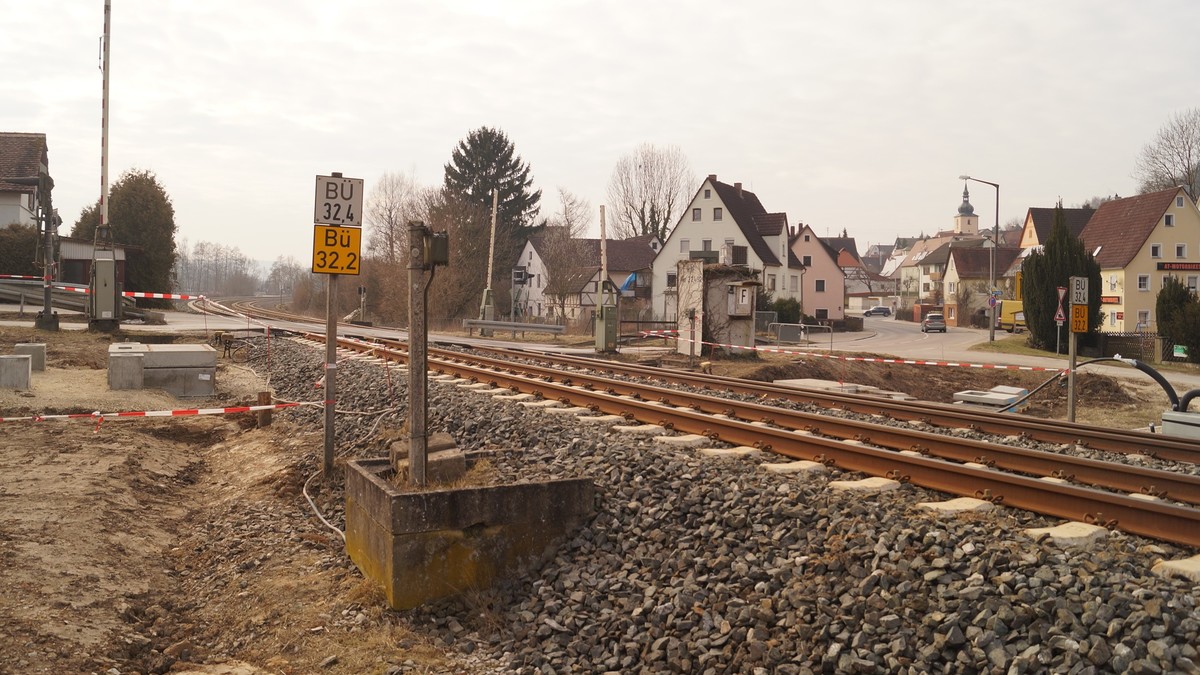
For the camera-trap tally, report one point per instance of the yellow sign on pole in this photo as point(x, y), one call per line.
point(1079, 318)
point(336, 250)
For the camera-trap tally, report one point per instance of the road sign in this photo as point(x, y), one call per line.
point(1079, 290)
point(1060, 316)
point(1079, 318)
point(991, 301)
point(339, 201)
point(336, 250)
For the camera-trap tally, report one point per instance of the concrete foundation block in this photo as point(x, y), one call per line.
point(36, 351)
point(421, 546)
point(1072, 533)
point(125, 371)
point(16, 371)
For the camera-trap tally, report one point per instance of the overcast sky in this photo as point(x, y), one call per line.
point(855, 115)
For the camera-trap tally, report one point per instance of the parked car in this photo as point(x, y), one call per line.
point(879, 310)
point(934, 322)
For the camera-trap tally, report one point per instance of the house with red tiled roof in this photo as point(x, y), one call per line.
point(1139, 242)
point(21, 156)
point(727, 224)
point(967, 277)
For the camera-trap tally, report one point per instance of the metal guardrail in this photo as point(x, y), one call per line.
point(776, 331)
point(522, 328)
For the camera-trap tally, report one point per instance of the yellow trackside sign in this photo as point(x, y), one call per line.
point(1079, 318)
point(336, 250)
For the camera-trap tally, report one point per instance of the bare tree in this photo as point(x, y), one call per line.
point(574, 213)
point(1172, 159)
point(648, 189)
point(394, 200)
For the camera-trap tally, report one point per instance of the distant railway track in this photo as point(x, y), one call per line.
point(1152, 502)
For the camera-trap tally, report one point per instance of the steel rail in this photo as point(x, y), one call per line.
point(1155, 519)
point(936, 414)
point(1135, 479)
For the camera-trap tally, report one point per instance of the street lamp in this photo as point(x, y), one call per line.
point(992, 257)
point(47, 220)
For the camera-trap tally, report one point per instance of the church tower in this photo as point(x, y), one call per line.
point(966, 222)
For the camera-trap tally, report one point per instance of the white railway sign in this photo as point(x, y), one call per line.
point(339, 201)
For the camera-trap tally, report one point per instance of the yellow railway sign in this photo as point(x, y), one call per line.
point(336, 250)
point(1079, 318)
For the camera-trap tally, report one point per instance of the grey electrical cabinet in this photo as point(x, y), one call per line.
point(606, 328)
point(105, 300)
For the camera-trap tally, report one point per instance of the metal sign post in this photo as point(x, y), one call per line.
point(1079, 324)
point(1059, 318)
point(337, 250)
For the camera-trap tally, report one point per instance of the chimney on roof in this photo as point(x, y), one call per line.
point(792, 231)
point(712, 177)
point(738, 187)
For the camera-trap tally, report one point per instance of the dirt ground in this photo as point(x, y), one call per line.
point(185, 544)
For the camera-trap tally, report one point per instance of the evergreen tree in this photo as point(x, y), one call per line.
point(19, 250)
point(486, 160)
point(1169, 305)
point(141, 215)
point(1062, 257)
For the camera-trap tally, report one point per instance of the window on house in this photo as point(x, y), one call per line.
point(729, 243)
point(794, 284)
point(539, 280)
point(822, 314)
point(806, 237)
point(820, 285)
point(1112, 318)
point(925, 286)
point(950, 312)
point(807, 260)
point(684, 246)
point(707, 193)
point(739, 255)
point(1191, 282)
point(1169, 220)
point(1143, 282)
point(1143, 318)
point(1179, 202)
point(1180, 250)
point(717, 213)
point(706, 245)
point(1155, 250)
point(770, 282)
point(672, 279)
point(952, 286)
point(696, 214)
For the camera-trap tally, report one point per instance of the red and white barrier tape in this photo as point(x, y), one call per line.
point(868, 359)
point(21, 276)
point(153, 413)
point(77, 289)
point(162, 296)
point(660, 333)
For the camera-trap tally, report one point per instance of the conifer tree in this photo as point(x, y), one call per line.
point(1062, 257)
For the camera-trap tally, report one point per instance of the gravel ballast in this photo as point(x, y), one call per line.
point(704, 565)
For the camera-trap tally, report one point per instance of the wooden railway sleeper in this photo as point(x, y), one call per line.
point(987, 496)
point(1098, 519)
point(895, 475)
point(1152, 491)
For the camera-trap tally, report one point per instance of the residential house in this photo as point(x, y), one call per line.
point(726, 223)
point(1139, 242)
point(919, 277)
point(1039, 220)
point(823, 283)
point(968, 276)
point(21, 156)
point(877, 255)
point(562, 276)
point(864, 287)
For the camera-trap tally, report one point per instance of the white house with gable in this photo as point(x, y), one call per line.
point(727, 224)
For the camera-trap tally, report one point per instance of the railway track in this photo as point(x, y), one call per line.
point(1151, 502)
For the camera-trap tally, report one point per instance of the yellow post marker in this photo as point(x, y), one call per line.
point(336, 250)
point(1079, 318)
